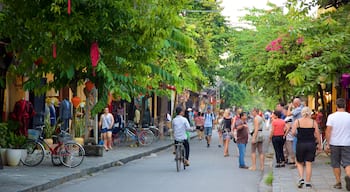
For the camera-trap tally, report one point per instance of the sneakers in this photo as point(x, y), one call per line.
point(337, 186)
point(187, 162)
point(347, 183)
point(301, 183)
point(244, 167)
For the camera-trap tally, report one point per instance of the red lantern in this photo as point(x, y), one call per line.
point(76, 101)
point(89, 85)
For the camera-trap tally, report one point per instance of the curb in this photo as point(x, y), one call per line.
point(91, 170)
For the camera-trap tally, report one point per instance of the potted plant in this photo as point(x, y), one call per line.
point(3, 141)
point(15, 151)
point(79, 129)
point(49, 130)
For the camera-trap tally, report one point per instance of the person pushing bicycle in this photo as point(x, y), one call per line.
point(180, 125)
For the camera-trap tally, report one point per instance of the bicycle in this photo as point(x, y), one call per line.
point(155, 132)
point(67, 152)
point(141, 136)
point(180, 155)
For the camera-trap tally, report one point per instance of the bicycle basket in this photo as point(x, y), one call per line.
point(64, 138)
point(33, 134)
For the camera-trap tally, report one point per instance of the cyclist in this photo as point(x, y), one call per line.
point(180, 125)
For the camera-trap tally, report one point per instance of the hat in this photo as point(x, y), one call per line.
point(189, 109)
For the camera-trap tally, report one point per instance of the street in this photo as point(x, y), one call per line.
point(209, 170)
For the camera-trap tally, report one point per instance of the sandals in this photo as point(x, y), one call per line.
point(337, 186)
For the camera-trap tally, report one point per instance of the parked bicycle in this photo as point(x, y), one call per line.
point(67, 152)
point(180, 155)
point(140, 136)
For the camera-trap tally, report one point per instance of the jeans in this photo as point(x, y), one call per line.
point(241, 148)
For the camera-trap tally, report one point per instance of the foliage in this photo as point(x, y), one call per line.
point(130, 35)
point(318, 46)
point(16, 141)
point(49, 129)
point(79, 126)
point(269, 179)
point(3, 135)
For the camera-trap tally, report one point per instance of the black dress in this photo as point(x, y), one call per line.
point(306, 144)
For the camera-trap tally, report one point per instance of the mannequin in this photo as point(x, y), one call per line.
point(23, 112)
point(65, 113)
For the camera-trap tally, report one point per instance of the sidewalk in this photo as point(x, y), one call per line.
point(322, 180)
point(46, 176)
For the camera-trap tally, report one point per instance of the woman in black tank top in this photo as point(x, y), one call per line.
point(306, 131)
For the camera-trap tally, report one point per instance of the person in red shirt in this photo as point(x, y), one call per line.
point(277, 137)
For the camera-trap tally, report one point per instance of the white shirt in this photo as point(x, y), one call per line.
point(340, 123)
point(180, 125)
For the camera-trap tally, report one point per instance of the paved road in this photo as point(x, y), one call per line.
point(209, 171)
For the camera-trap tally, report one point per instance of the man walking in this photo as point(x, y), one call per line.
point(208, 125)
point(337, 135)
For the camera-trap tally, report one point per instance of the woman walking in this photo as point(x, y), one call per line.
point(308, 134)
point(106, 124)
point(277, 137)
point(226, 131)
point(199, 122)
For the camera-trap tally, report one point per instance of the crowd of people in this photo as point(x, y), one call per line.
point(294, 131)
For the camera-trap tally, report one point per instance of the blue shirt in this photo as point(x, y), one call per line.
point(208, 119)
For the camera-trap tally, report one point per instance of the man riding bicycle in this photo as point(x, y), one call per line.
point(180, 126)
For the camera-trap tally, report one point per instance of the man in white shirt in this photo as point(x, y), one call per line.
point(180, 125)
point(337, 135)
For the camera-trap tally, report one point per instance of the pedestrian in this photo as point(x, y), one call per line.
point(180, 125)
point(225, 123)
point(294, 110)
point(199, 121)
point(242, 138)
point(337, 135)
point(106, 125)
point(289, 154)
point(257, 140)
point(308, 135)
point(220, 127)
point(208, 125)
point(276, 136)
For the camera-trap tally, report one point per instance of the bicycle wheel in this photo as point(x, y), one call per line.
point(71, 154)
point(156, 133)
point(35, 153)
point(145, 137)
point(178, 157)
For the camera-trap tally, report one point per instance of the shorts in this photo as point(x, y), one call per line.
point(105, 130)
point(259, 146)
point(305, 152)
point(226, 135)
point(340, 154)
point(199, 128)
point(208, 131)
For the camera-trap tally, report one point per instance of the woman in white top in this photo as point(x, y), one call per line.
point(106, 124)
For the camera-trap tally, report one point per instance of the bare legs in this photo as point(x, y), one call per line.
point(308, 170)
point(226, 143)
point(107, 140)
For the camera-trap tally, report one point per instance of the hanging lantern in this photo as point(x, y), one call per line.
point(69, 7)
point(54, 53)
point(76, 101)
point(345, 80)
point(94, 56)
point(89, 85)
